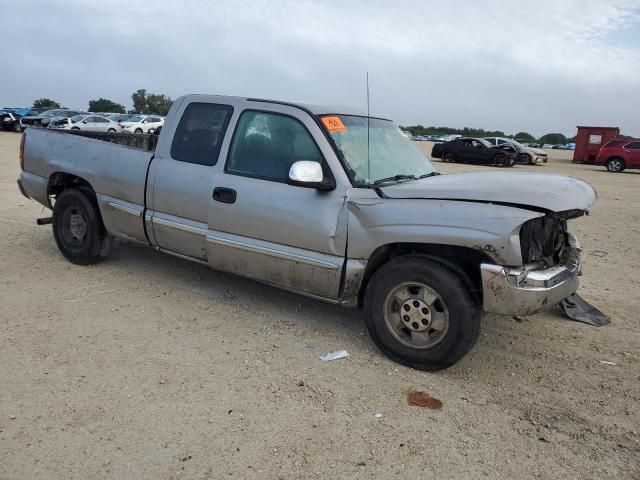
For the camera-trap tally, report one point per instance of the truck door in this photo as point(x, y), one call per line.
point(180, 178)
point(259, 226)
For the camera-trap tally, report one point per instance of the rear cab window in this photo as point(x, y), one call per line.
point(200, 132)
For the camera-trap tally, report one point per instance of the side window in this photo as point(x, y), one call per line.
point(101, 120)
point(200, 133)
point(90, 119)
point(502, 142)
point(265, 145)
point(633, 146)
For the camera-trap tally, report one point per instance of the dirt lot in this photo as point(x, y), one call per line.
point(147, 366)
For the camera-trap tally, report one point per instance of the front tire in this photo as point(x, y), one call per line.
point(78, 228)
point(615, 165)
point(501, 160)
point(420, 313)
point(138, 130)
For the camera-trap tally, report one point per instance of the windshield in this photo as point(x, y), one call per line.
point(389, 153)
point(136, 118)
point(51, 113)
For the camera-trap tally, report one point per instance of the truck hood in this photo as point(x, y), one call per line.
point(535, 191)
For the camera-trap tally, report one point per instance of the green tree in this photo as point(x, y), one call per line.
point(144, 102)
point(524, 137)
point(139, 98)
point(159, 104)
point(553, 139)
point(45, 103)
point(105, 105)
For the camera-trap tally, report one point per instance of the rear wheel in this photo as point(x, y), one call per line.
point(420, 313)
point(78, 228)
point(138, 130)
point(112, 130)
point(615, 165)
point(17, 127)
point(501, 160)
point(448, 157)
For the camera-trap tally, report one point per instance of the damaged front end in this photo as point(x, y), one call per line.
point(551, 266)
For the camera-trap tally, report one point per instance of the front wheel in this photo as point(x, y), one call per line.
point(78, 228)
point(501, 160)
point(138, 130)
point(420, 313)
point(111, 130)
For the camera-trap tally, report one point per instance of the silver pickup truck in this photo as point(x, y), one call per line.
point(326, 202)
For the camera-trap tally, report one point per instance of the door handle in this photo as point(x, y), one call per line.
point(224, 195)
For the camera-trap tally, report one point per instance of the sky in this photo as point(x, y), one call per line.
point(538, 67)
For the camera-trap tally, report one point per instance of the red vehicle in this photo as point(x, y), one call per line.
point(619, 154)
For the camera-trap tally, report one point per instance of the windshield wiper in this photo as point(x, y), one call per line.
point(430, 174)
point(395, 178)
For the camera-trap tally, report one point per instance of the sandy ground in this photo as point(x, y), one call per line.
point(150, 367)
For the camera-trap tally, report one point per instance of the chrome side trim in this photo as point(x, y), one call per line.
point(184, 257)
point(125, 209)
point(295, 257)
point(179, 226)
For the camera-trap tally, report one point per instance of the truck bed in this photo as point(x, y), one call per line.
point(114, 169)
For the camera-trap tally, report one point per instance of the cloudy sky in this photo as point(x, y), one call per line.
point(543, 66)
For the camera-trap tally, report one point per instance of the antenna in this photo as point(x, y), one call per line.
point(368, 112)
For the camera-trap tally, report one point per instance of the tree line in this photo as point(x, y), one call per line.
point(524, 137)
point(143, 102)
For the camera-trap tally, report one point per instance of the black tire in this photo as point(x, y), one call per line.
point(448, 157)
point(615, 165)
point(17, 127)
point(75, 128)
point(529, 159)
point(78, 228)
point(138, 130)
point(501, 160)
point(463, 313)
point(111, 130)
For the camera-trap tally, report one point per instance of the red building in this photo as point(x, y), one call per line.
point(589, 140)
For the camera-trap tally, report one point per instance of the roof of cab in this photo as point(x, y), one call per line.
point(313, 108)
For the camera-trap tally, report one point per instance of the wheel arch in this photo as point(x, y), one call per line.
point(464, 261)
point(59, 181)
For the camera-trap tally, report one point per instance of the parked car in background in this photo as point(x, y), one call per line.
point(143, 124)
point(525, 154)
point(121, 117)
point(620, 154)
point(475, 150)
point(43, 119)
point(89, 123)
point(9, 120)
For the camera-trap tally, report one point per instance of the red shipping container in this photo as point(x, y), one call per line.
point(589, 140)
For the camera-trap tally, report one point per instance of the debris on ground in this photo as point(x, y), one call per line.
point(335, 355)
point(599, 253)
point(423, 399)
point(379, 415)
point(577, 308)
point(606, 362)
point(518, 319)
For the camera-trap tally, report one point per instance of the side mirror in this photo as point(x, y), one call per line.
point(305, 173)
point(84, 121)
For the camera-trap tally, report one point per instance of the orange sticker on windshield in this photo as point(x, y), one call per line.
point(334, 124)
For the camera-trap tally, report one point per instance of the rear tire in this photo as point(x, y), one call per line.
point(78, 228)
point(448, 157)
point(501, 160)
point(420, 313)
point(111, 130)
point(138, 130)
point(615, 165)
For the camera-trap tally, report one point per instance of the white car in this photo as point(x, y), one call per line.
point(88, 123)
point(142, 124)
point(535, 155)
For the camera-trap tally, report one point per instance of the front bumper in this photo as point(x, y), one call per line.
point(527, 290)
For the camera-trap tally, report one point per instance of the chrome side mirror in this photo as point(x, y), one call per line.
point(305, 173)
